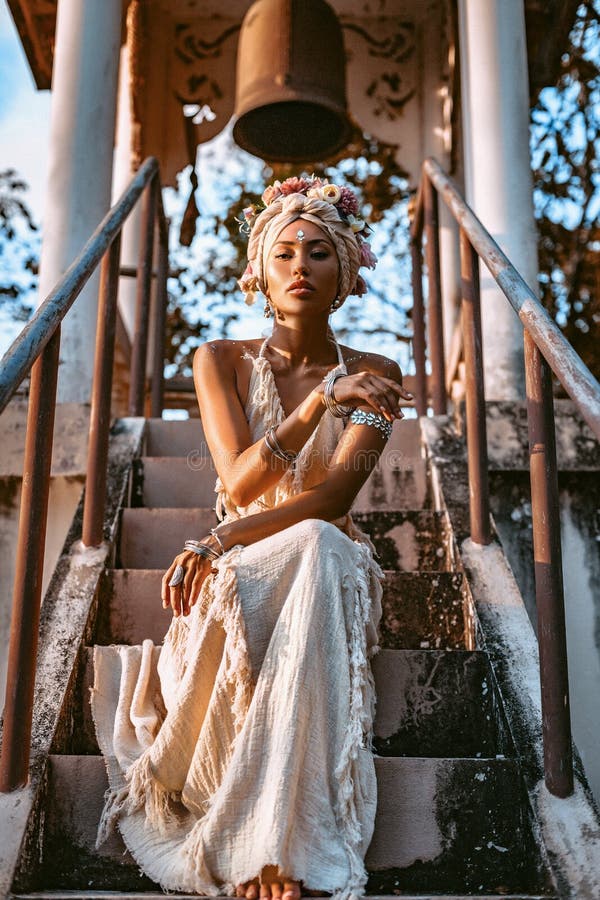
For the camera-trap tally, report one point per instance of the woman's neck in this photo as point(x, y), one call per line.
point(303, 345)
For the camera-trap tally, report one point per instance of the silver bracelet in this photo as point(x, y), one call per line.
point(215, 534)
point(201, 549)
point(336, 409)
point(361, 417)
point(276, 448)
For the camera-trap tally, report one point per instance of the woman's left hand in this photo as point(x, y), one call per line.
point(184, 595)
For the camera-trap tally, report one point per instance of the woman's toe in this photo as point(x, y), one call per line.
point(291, 890)
point(276, 890)
point(265, 891)
point(252, 890)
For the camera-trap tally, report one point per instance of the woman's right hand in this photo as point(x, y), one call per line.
point(184, 595)
point(365, 388)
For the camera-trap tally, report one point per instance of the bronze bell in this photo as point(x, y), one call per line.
point(291, 93)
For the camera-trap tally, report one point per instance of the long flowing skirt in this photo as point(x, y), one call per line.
point(245, 740)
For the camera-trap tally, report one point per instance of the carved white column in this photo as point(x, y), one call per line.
point(495, 97)
point(84, 86)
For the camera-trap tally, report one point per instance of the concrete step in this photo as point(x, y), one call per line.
point(422, 611)
point(442, 825)
point(429, 703)
point(151, 895)
point(164, 437)
point(409, 540)
point(163, 481)
point(426, 611)
point(175, 438)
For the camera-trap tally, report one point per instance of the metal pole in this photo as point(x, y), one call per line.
point(434, 305)
point(95, 484)
point(159, 328)
point(418, 321)
point(558, 758)
point(144, 283)
point(479, 505)
point(27, 593)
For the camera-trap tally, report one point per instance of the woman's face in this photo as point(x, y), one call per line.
point(302, 270)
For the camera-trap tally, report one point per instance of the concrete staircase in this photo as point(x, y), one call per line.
point(453, 817)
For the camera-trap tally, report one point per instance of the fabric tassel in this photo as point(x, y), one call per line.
point(187, 230)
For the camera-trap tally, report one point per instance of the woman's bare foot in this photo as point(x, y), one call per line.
point(272, 886)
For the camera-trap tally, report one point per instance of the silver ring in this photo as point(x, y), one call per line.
point(177, 576)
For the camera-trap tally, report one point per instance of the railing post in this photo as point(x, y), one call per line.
point(158, 355)
point(27, 592)
point(558, 757)
point(95, 483)
point(144, 282)
point(418, 321)
point(479, 505)
point(434, 306)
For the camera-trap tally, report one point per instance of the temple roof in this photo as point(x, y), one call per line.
point(548, 23)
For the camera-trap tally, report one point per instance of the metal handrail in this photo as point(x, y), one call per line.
point(545, 349)
point(37, 349)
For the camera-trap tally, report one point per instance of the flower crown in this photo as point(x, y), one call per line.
point(343, 199)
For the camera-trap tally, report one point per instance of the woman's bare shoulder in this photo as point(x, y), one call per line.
point(224, 351)
point(362, 361)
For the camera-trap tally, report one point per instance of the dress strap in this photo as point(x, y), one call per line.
point(338, 349)
point(261, 352)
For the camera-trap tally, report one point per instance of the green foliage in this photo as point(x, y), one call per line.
point(19, 249)
point(566, 163)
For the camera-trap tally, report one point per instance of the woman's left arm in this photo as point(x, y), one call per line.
point(356, 456)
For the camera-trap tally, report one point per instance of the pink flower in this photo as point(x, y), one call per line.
point(347, 204)
point(367, 257)
point(271, 193)
point(295, 186)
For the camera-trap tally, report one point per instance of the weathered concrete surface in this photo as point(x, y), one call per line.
point(408, 540)
point(508, 443)
point(433, 827)
point(69, 449)
point(64, 624)
point(423, 610)
point(569, 829)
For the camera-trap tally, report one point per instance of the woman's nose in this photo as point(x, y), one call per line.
point(300, 265)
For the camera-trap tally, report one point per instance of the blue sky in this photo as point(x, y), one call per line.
point(24, 115)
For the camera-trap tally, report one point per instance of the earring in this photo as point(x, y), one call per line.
point(268, 312)
point(336, 303)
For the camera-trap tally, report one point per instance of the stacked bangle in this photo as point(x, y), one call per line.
point(336, 409)
point(201, 549)
point(275, 447)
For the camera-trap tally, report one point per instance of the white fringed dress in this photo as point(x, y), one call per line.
point(244, 741)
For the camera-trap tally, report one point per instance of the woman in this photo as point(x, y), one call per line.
point(239, 754)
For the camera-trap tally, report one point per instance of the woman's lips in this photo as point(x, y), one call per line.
point(300, 288)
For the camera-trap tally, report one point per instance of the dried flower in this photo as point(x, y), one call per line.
point(348, 203)
point(272, 192)
point(367, 257)
point(331, 193)
point(295, 186)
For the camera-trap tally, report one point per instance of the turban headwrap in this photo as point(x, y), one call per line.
point(268, 225)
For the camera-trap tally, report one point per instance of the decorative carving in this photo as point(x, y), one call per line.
point(383, 51)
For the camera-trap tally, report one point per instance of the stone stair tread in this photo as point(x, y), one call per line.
point(149, 895)
point(405, 539)
point(167, 481)
point(421, 610)
point(184, 436)
point(432, 830)
point(430, 703)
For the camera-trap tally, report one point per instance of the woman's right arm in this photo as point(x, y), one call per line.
point(246, 469)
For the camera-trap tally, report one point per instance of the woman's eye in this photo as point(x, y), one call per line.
point(320, 254)
point(283, 256)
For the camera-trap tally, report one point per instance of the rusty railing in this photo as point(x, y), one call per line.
point(36, 350)
point(545, 349)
